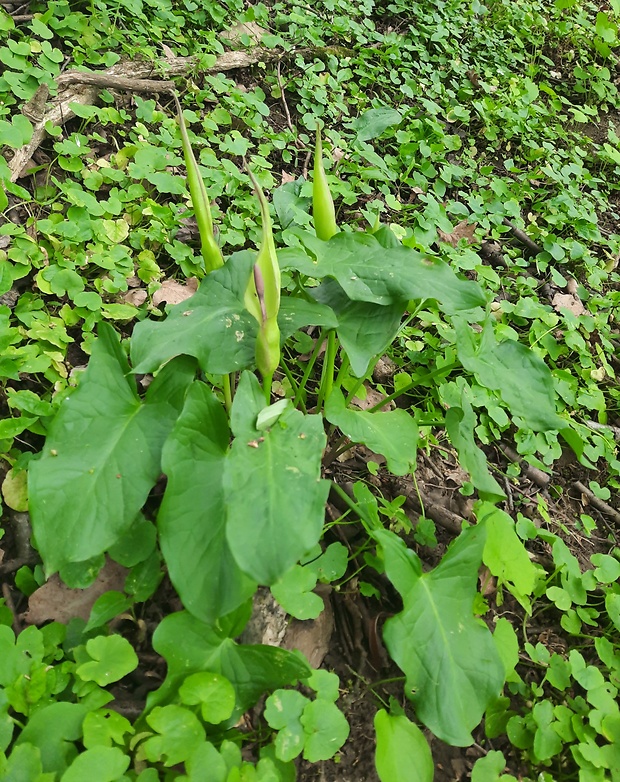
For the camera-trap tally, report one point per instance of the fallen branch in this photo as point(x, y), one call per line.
point(80, 87)
point(598, 503)
point(535, 475)
point(522, 237)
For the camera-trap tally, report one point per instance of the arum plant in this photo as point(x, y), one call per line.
point(323, 208)
point(325, 226)
point(263, 297)
point(245, 501)
point(211, 252)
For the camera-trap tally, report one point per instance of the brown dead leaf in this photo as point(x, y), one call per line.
point(173, 292)
point(286, 177)
point(564, 301)
point(56, 602)
point(234, 34)
point(373, 398)
point(136, 296)
point(463, 230)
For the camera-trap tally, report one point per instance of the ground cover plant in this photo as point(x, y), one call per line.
point(328, 322)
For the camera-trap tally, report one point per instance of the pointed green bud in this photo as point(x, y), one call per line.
point(322, 202)
point(211, 252)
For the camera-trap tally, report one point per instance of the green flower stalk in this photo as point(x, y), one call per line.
point(211, 252)
point(262, 297)
point(322, 202)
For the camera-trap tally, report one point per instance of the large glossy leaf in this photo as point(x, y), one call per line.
point(393, 434)
point(212, 325)
point(364, 329)
point(274, 494)
point(367, 271)
point(191, 646)
point(522, 378)
point(192, 516)
point(460, 424)
point(452, 666)
point(102, 455)
point(402, 754)
point(295, 313)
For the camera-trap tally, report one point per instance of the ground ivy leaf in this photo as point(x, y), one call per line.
point(402, 754)
point(192, 516)
point(212, 325)
point(283, 710)
point(393, 434)
point(213, 693)
point(105, 727)
point(102, 455)
point(489, 768)
point(180, 735)
point(112, 658)
point(270, 480)
point(437, 632)
point(364, 329)
point(326, 730)
point(294, 593)
point(331, 564)
point(105, 764)
point(191, 646)
point(367, 271)
point(521, 377)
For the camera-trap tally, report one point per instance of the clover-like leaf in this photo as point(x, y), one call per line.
point(105, 764)
point(294, 593)
point(213, 693)
point(112, 658)
point(326, 730)
point(180, 735)
point(283, 710)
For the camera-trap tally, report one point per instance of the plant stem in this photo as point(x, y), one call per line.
point(327, 379)
point(309, 366)
point(226, 387)
point(267, 381)
point(344, 368)
point(352, 505)
point(418, 382)
point(293, 384)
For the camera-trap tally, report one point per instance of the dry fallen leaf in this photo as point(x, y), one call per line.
point(137, 296)
point(373, 398)
point(173, 292)
point(286, 177)
point(234, 34)
point(463, 230)
point(56, 602)
point(564, 301)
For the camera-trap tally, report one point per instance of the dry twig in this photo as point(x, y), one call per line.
point(597, 503)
